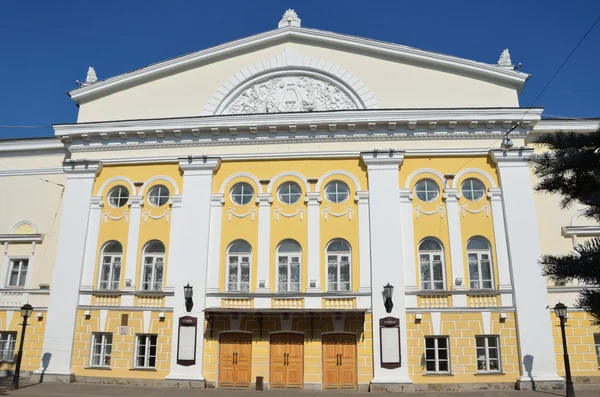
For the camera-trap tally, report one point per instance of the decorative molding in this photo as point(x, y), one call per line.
point(289, 18)
point(439, 209)
point(106, 216)
point(231, 213)
point(463, 208)
point(155, 178)
point(31, 171)
point(147, 214)
point(20, 238)
point(227, 181)
point(278, 211)
point(554, 125)
point(484, 174)
point(124, 179)
point(514, 157)
point(18, 224)
point(287, 174)
point(575, 231)
point(383, 159)
point(327, 211)
point(504, 59)
point(331, 173)
point(430, 171)
point(25, 145)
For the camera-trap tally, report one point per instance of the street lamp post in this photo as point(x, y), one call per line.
point(561, 312)
point(26, 311)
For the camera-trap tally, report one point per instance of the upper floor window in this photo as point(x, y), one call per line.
point(17, 272)
point(472, 189)
point(337, 192)
point(431, 260)
point(427, 190)
point(289, 192)
point(242, 193)
point(110, 271)
point(158, 195)
point(238, 266)
point(7, 345)
point(154, 264)
point(339, 256)
point(118, 196)
point(479, 254)
point(288, 266)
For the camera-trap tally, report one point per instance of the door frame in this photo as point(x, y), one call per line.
point(219, 352)
point(269, 357)
point(355, 354)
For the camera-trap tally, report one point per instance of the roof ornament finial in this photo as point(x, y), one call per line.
point(289, 18)
point(91, 77)
point(504, 59)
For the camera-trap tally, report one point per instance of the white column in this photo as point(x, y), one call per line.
point(534, 326)
point(214, 249)
point(504, 281)
point(364, 250)
point(189, 264)
point(91, 245)
point(264, 201)
point(408, 246)
point(68, 266)
point(458, 280)
point(133, 240)
point(313, 216)
point(386, 265)
point(175, 234)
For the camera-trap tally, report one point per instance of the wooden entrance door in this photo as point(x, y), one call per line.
point(339, 361)
point(235, 360)
point(287, 352)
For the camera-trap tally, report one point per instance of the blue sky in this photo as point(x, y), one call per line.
point(46, 45)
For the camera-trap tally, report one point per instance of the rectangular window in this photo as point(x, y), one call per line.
point(17, 272)
point(101, 350)
point(145, 356)
point(597, 345)
point(7, 345)
point(437, 355)
point(488, 353)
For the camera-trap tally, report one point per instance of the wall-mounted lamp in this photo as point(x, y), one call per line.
point(507, 143)
point(188, 293)
point(161, 316)
point(39, 316)
point(388, 291)
point(503, 316)
point(418, 317)
point(87, 314)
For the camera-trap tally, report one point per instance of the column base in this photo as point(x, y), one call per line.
point(54, 377)
point(185, 382)
point(396, 384)
point(540, 383)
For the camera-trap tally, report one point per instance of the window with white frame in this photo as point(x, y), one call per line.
point(145, 352)
point(7, 345)
point(337, 192)
point(479, 254)
point(154, 265)
point(118, 196)
point(488, 353)
point(289, 192)
point(597, 346)
point(431, 260)
point(110, 268)
point(17, 272)
point(242, 193)
point(339, 256)
point(472, 189)
point(427, 190)
point(288, 266)
point(101, 349)
point(158, 195)
point(437, 354)
point(238, 266)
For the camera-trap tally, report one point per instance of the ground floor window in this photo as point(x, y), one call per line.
point(437, 357)
point(488, 353)
point(145, 352)
point(597, 343)
point(101, 350)
point(7, 345)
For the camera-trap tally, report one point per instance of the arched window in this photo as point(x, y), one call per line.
point(431, 259)
point(339, 256)
point(479, 255)
point(238, 266)
point(154, 265)
point(289, 256)
point(110, 271)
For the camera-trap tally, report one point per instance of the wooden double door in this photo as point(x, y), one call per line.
point(339, 361)
point(287, 352)
point(235, 360)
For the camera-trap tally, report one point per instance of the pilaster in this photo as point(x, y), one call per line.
point(189, 261)
point(91, 244)
point(364, 249)
point(386, 234)
point(264, 201)
point(534, 326)
point(214, 249)
point(504, 281)
point(313, 204)
point(68, 267)
point(451, 196)
point(133, 239)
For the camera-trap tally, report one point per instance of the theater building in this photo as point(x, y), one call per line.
point(239, 215)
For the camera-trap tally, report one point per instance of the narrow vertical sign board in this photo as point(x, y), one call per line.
point(389, 331)
point(186, 343)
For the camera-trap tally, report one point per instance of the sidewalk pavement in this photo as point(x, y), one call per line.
point(95, 390)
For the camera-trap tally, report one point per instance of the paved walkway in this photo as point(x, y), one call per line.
point(90, 390)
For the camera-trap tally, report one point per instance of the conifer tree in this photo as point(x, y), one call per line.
point(571, 168)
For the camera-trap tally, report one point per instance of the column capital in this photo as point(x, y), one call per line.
point(96, 202)
point(264, 199)
point(511, 158)
point(136, 201)
point(383, 160)
point(176, 201)
point(217, 199)
point(362, 197)
point(313, 198)
point(406, 195)
point(199, 165)
point(82, 168)
point(451, 194)
point(495, 194)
